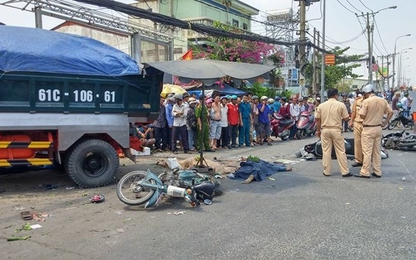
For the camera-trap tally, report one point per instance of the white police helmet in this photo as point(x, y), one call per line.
point(178, 96)
point(367, 88)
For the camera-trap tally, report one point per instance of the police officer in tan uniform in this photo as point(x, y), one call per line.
point(372, 110)
point(329, 116)
point(357, 122)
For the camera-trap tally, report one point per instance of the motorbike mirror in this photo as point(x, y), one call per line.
point(207, 201)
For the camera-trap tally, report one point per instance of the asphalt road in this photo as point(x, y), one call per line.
point(299, 215)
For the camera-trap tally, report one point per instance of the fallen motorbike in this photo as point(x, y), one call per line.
point(314, 150)
point(401, 118)
point(306, 125)
point(399, 141)
point(280, 126)
point(140, 187)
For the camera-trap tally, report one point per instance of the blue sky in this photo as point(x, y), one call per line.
point(341, 25)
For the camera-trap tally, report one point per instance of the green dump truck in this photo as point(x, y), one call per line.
point(69, 100)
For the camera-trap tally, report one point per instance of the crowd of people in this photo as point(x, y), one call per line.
point(219, 122)
point(230, 121)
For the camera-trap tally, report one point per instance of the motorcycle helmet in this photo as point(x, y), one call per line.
point(399, 105)
point(204, 190)
point(284, 99)
point(276, 98)
point(270, 100)
point(254, 97)
point(368, 88)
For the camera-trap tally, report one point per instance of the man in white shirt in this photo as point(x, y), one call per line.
point(225, 137)
point(179, 111)
point(295, 114)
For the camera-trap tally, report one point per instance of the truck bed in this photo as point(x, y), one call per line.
point(136, 96)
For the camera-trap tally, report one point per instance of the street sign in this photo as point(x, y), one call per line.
point(329, 59)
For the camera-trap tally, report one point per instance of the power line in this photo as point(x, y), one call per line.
point(350, 40)
point(354, 6)
point(200, 28)
point(365, 5)
point(320, 8)
point(375, 22)
point(333, 41)
point(345, 7)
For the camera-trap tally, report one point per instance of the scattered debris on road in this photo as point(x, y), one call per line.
point(18, 238)
point(97, 198)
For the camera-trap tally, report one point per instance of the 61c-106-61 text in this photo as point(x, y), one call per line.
point(54, 95)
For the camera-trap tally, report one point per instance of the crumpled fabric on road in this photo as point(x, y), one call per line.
point(260, 170)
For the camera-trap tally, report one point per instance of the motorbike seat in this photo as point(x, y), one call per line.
point(286, 121)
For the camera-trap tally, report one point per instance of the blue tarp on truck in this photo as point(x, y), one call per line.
point(37, 50)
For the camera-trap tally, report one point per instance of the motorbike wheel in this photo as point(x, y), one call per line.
point(299, 135)
point(130, 192)
point(387, 125)
point(392, 124)
point(285, 135)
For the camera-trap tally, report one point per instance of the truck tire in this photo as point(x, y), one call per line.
point(92, 163)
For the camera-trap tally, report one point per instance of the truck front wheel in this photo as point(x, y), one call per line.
point(92, 163)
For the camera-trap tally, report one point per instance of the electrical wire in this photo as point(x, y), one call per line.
point(365, 5)
point(345, 7)
point(201, 28)
point(381, 39)
point(331, 40)
point(347, 41)
point(320, 8)
point(354, 6)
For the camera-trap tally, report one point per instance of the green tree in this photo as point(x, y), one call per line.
point(334, 74)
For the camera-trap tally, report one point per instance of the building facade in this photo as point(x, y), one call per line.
point(237, 14)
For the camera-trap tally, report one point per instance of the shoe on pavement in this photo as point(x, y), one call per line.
point(356, 164)
point(375, 175)
point(362, 176)
point(347, 175)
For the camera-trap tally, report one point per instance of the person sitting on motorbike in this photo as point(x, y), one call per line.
point(284, 109)
point(303, 106)
point(311, 105)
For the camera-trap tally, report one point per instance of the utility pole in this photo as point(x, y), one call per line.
point(323, 53)
point(313, 63)
point(388, 70)
point(316, 71)
point(38, 17)
point(370, 51)
point(382, 72)
point(302, 40)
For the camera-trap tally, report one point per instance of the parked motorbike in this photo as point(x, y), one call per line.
point(400, 140)
point(406, 122)
point(306, 125)
point(314, 150)
point(280, 126)
point(140, 187)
